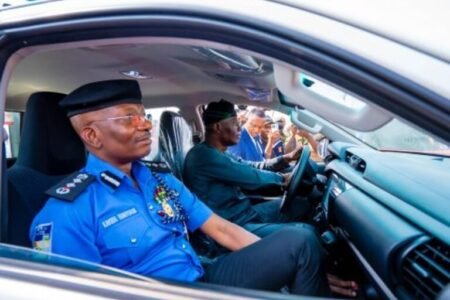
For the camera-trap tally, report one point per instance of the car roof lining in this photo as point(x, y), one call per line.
point(174, 56)
point(24, 55)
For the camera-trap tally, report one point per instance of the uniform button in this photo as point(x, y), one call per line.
point(183, 246)
point(133, 240)
point(150, 207)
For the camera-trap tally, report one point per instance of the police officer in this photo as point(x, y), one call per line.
point(135, 216)
point(271, 140)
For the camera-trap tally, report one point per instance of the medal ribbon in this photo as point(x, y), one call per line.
point(162, 195)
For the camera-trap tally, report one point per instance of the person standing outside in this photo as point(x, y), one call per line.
point(249, 146)
point(271, 141)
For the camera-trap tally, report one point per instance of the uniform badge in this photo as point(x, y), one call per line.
point(110, 179)
point(43, 237)
point(168, 209)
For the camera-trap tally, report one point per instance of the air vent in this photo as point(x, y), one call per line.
point(425, 269)
point(355, 162)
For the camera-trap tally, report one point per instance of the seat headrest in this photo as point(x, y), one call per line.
point(49, 144)
point(175, 140)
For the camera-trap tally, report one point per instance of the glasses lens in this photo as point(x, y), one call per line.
point(137, 120)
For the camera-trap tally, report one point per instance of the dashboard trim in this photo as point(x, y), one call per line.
point(401, 208)
point(373, 274)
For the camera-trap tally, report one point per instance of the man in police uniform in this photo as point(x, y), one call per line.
point(121, 212)
point(271, 141)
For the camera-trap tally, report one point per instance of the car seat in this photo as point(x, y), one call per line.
point(49, 151)
point(175, 141)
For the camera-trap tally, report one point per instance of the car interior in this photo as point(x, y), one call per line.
point(382, 215)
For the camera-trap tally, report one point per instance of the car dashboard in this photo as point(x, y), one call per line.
point(393, 211)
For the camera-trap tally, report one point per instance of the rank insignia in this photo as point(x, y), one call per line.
point(70, 187)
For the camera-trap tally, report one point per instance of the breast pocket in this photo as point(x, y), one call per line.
point(126, 242)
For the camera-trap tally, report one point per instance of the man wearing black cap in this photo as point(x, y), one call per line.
point(218, 177)
point(121, 212)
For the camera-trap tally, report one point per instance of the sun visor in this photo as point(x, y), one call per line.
point(328, 101)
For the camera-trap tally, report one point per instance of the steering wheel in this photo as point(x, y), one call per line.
point(296, 179)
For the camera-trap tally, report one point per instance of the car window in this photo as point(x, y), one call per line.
point(290, 138)
point(398, 136)
point(393, 136)
point(12, 128)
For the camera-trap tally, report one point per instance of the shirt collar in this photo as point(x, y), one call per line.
point(109, 175)
point(252, 138)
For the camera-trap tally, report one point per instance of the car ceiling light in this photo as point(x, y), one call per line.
point(135, 74)
point(259, 95)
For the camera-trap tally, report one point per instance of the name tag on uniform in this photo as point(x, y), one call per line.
point(119, 217)
point(43, 237)
point(126, 214)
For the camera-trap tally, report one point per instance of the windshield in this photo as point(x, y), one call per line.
point(398, 136)
point(393, 136)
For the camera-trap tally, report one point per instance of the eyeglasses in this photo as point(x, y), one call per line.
point(133, 120)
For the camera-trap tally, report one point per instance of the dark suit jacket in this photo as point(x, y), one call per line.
point(246, 149)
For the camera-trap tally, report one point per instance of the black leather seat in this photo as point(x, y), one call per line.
point(175, 140)
point(49, 151)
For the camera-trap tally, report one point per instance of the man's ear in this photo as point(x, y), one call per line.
point(217, 127)
point(90, 137)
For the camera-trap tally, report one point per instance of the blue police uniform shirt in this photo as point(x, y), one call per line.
point(113, 223)
point(278, 149)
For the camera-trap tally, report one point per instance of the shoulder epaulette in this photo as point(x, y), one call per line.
point(70, 187)
point(157, 166)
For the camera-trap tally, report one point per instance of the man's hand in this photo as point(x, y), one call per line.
point(287, 178)
point(303, 133)
point(274, 136)
point(293, 129)
point(293, 155)
point(342, 287)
